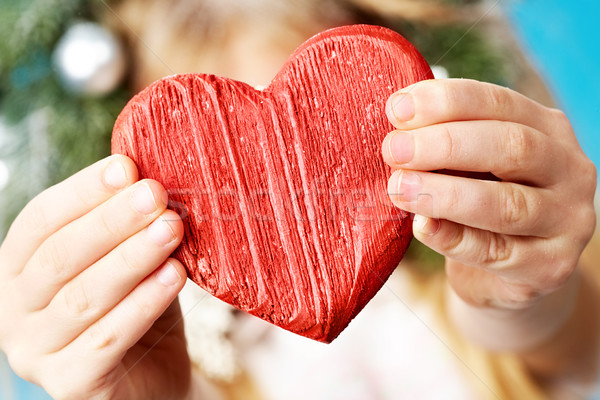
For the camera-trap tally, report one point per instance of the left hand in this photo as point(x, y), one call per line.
point(508, 242)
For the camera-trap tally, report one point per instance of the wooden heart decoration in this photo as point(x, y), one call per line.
point(283, 190)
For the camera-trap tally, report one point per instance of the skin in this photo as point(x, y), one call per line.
point(512, 244)
point(525, 233)
point(88, 310)
point(87, 288)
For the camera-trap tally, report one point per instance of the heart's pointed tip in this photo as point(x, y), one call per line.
point(330, 338)
point(325, 334)
point(326, 340)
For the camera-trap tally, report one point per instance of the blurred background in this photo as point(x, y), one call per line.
point(66, 71)
point(561, 40)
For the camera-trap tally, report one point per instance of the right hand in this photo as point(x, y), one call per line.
point(87, 291)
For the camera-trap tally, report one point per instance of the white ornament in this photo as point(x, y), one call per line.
point(4, 175)
point(208, 322)
point(89, 60)
point(439, 72)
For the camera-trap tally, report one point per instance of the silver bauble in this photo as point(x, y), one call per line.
point(89, 60)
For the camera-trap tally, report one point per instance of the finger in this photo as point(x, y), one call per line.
point(498, 253)
point(500, 207)
point(78, 245)
point(61, 204)
point(510, 151)
point(93, 293)
point(109, 338)
point(464, 244)
point(445, 100)
point(501, 263)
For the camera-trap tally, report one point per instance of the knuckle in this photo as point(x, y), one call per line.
point(520, 146)
point(448, 144)
point(101, 338)
point(76, 299)
point(590, 175)
point(452, 197)
point(142, 308)
point(85, 195)
point(592, 171)
point(33, 219)
point(446, 91)
point(586, 223)
point(20, 361)
point(53, 256)
point(498, 249)
point(514, 208)
point(497, 98)
point(130, 258)
point(560, 274)
point(559, 265)
point(108, 225)
point(590, 220)
point(522, 295)
point(561, 120)
point(454, 243)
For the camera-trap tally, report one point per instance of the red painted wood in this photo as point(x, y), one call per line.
point(283, 191)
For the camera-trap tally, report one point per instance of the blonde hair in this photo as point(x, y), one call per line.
point(188, 35)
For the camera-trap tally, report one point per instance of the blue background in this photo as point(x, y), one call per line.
point(562, 38)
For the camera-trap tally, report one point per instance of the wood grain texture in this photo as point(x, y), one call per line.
point(283, 191)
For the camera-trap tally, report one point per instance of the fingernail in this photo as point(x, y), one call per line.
point(160, 232)
point(402, 147)
point(405, 186)
point(400, 107)
point(426, 226)
point(142, 199)
point(168, 275)
point(115, 175)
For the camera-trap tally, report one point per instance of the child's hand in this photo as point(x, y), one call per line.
point(506, 243)
point(85, 288)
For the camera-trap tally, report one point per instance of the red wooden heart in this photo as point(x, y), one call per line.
point(283, 191)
